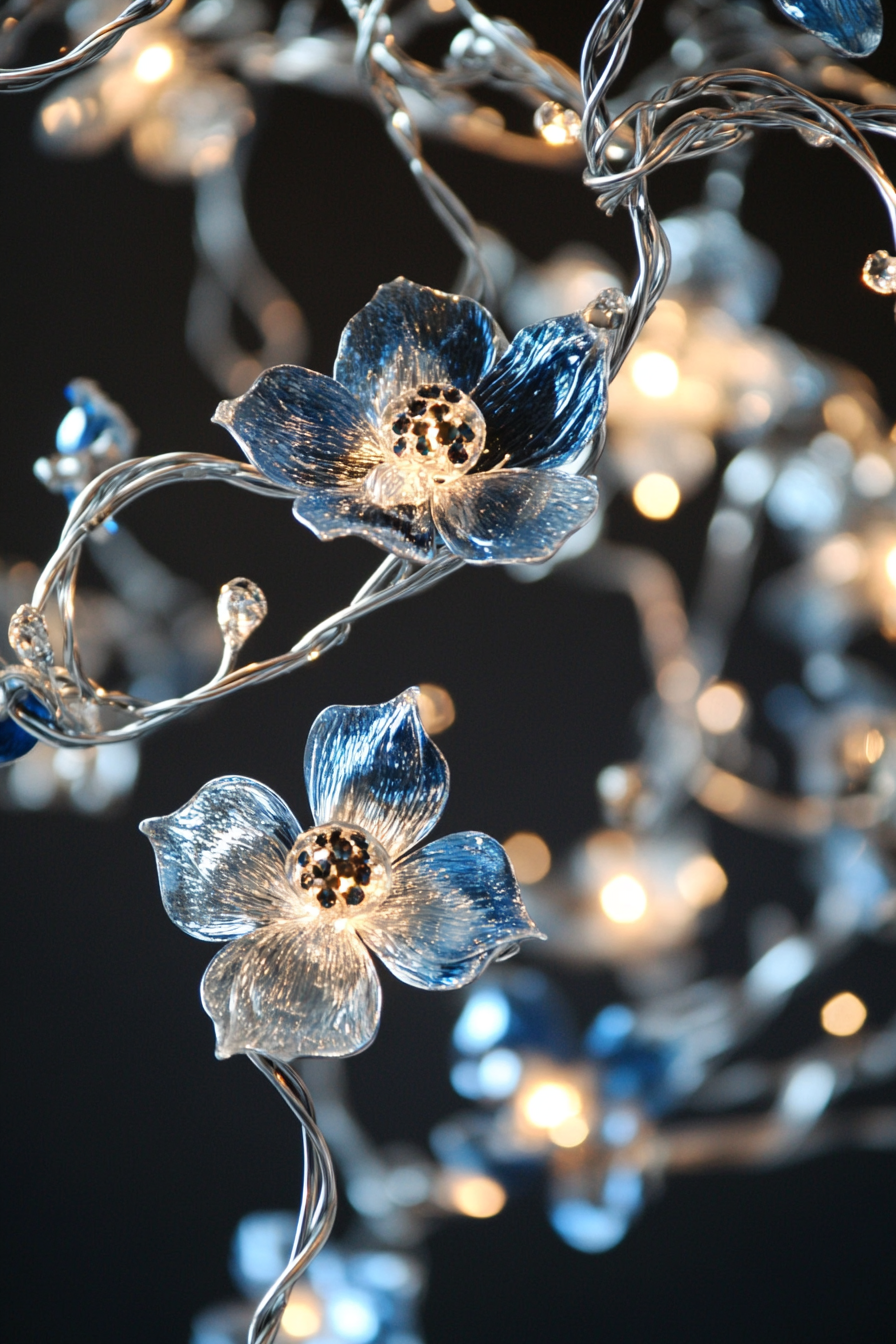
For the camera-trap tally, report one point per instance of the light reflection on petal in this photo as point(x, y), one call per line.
point(373, 766)
point(453, 906)
point(403, 529)
point(302, 428)
point(221, 858)
point(409, 334)
point(512, 516)
point(545, 400)
point(293, 989)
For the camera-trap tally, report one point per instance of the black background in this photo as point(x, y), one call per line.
point(130, 1153)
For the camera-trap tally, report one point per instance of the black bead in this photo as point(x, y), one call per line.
point(362, 874)
point(320, 839)
point(304, 857)
point(429, 391)
point(335, 834)
point(358, 839)
point(417, 407)
point(307, 880)
point(439, 412)
point(399, 446)
point(457, 454)
point(354, 896)
point(447, 433)
point(321, 869)
point(401, 425)
point(466, 433)
point(327, 898)
point(423, 447)
point(452, 394)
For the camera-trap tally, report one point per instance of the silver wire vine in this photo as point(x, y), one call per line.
point(317, 1207)
point(85, 53)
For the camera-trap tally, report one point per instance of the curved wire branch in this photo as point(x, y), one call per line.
point(85, 53)
point(70, 696)
point(317, 1209)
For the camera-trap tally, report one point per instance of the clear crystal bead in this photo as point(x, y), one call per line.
point(879, 273)
point(29, 636)
point(242, 607)
point(607, 310)
point(556, 124)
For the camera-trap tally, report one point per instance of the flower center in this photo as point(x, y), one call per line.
point(433, 436)
point(339, 870)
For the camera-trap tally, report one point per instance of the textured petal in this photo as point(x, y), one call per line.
point(302, 428)
point(511, 516)
point(409, 334)
point(221, 859)
point(373, 766)
point(853, 27)
point(546, 399)
point(403, 529)
point(293, 989)
point(452, 907)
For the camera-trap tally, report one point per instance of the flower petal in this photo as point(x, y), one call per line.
point(302, 428)
point(16, 741)
point(293, 989)
point(507, 517)
point(221, 859)
point(452, 907)
point(373, 766)
point(409, 334)
point(547, 398)
point(403, 529)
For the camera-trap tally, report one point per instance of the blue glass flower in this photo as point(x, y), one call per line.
point(16, 741)
point(302, 907)
point(434, 429)
point(852, 27)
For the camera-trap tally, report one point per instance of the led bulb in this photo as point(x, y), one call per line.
point(623, 899)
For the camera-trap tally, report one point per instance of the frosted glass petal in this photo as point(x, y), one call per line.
point(302, 428)
point(545, 400)
point(512, 516)
point(293, 989)
point(373, 766)
point(853, 27)
point(452, 906)
point(409, 334)
point(403, 529)
point(221, 858)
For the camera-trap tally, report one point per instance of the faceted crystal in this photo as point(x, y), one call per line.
point(29, 636)
point(879, 273)
point(242, 607)
point(556, 124)
point(607, 310)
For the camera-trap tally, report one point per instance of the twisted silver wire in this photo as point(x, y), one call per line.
point(317, 1208)
point(85, 53)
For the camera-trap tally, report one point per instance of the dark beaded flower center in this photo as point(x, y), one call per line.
point(430, 436)
point(339, 866)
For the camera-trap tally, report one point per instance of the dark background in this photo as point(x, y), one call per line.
point(130, 1152)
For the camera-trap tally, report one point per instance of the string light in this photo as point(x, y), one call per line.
point(843, 1015)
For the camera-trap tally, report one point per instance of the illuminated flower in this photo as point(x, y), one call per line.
point(434, 429)
point(300, 905)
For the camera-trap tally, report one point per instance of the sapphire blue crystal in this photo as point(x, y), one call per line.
point(852, 27)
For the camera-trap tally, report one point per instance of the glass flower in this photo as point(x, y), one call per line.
point(433, 429)
point(301, 907)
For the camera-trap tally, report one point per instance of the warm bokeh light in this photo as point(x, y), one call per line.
point(656, 496)
point(549, 1105)
point(840, 560)
point(655, 374)
point(570, 1132)
point(154, 64)
point(721, 707)
point(890, 566)
point(843, 1015)
point(701, 881)
point(529, 856)
point(476, 1196)
point(441, 6)
point(677, 681)
point(623, 899)
point(436, 708)
point(303, 1317)
point(862, 746)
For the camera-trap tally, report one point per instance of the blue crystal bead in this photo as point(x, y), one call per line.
point(852, 27)
point(15, 741)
